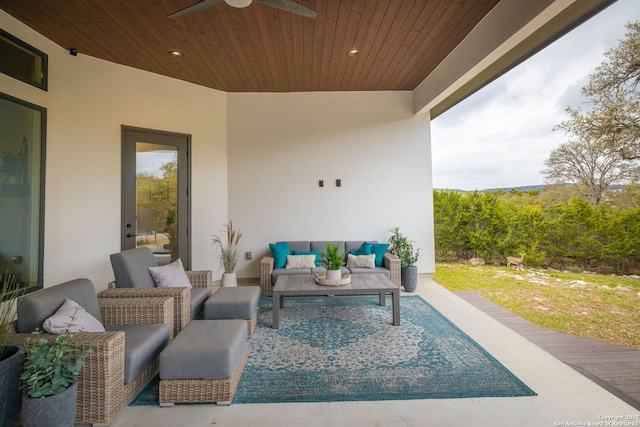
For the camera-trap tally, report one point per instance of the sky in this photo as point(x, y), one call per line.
point(501, 135)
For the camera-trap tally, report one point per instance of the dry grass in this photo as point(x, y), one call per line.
point(594, 306)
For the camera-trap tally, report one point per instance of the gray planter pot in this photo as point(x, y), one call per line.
point(10, 370)
point(58, 410)
point(409, 278)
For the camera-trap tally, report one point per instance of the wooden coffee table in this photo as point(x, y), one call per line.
point(304, 285)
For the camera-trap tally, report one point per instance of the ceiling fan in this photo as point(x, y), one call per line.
point(287, 5)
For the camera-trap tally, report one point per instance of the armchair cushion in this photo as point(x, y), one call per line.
point(71, 317)
point(170, 276)
point(131, 268)
point(142, 345)
point(36, 307)
point(198, 297)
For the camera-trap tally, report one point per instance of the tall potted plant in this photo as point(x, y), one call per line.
point(11, 358)
point(403, 248)
point(228, 252)
point(333, 260)
point(51, 368)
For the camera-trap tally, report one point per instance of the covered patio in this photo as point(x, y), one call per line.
point(564, 395)
point(258, 153)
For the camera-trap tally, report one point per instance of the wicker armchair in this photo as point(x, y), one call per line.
point(102, 391)
point(133, 280)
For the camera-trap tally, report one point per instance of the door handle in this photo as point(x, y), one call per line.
point(130, 235)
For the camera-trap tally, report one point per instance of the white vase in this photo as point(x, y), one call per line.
point(229, 280)
point(334, 274)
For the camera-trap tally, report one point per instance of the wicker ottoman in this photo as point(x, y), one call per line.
point(234, 303)
point(204, 362)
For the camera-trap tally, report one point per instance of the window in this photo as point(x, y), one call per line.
point(22, 61)
point(22, 155)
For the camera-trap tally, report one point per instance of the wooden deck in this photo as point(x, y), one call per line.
point(613, 367)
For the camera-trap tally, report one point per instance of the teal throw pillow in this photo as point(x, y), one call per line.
point(316, 253)
point(279, 252)
point(379, 249)
point(365, 249)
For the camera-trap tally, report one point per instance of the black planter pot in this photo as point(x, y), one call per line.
point(58, 410)
point(10, 370)
point(409, 278)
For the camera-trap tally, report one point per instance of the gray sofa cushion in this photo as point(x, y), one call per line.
point(198, 298)
point(323, 270)
point(142, 344)
point(287, 271)
point(34, 308)
point(233, 303)
point(301, 245)
point(205, 349)
point(379, 270)
point(322, 246)
point(131, 268)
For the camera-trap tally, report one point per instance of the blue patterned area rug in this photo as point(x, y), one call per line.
point(331, 349)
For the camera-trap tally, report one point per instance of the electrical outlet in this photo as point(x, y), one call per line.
point(248, 255)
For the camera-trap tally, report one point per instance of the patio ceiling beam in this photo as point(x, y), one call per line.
point(512, 32)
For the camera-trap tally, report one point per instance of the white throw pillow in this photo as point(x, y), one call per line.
point(301, 261)
point(361, 261)
point(170, 275)
point(63, 318)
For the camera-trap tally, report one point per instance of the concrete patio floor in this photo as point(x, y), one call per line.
point(564, 396)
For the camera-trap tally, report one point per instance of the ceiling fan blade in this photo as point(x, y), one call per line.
point(290, 6)
point(194, 8)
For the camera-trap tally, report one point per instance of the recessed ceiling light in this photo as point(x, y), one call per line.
point(353, 52)
point(175, 53)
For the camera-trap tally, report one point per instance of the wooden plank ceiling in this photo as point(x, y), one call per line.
point(262, 49)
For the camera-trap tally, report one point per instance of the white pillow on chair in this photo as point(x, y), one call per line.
point(73, 317)
point(170, 275)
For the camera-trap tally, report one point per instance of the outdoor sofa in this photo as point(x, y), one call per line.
point(275, 264)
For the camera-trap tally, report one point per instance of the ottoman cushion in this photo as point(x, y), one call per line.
point(204, 349)
point(233, 303)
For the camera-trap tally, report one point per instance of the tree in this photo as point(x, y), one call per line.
point(592, 166)
point(614, 92)
point(604, 143)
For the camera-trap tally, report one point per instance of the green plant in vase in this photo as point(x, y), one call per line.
point(403, 248)
point(49, 377)
point(333, 260)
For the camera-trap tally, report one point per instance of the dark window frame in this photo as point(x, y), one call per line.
point(44, 58)
point(41, 183)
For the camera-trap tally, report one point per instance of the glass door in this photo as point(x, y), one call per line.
point(155, 193)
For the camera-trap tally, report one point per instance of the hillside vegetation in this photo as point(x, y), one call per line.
point(554, 229)
point(602, 307)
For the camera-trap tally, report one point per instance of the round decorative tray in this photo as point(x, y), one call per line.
point(321, 279)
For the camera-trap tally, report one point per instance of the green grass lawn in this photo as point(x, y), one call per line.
point(605, 308)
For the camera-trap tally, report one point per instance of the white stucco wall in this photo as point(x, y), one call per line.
point(256, 158)
point(281, 145)
point(87, 102)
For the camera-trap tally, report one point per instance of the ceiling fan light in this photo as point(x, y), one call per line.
point(238, 3)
